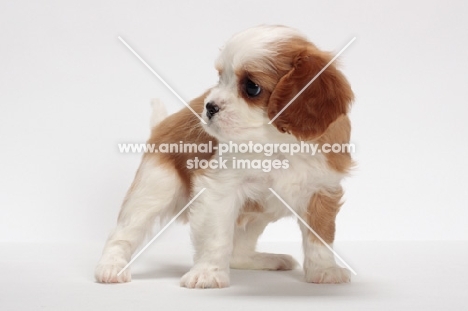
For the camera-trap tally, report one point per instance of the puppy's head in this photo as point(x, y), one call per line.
point(260, 71)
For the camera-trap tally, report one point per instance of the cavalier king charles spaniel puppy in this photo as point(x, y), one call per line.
point(260, 70)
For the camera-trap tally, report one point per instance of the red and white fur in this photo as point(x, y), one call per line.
point(229, 216)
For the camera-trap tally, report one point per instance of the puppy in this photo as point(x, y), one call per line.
point(260, 71)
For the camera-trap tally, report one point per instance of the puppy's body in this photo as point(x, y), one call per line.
point(260, 69)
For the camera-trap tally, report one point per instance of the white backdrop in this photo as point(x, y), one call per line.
point(70, 91)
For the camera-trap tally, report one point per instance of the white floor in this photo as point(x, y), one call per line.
point(390, 276)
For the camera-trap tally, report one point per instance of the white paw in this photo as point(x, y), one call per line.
point(275, 261)
point(264, 261)
point(330, 275)
point(107, 272)
point(205, 278)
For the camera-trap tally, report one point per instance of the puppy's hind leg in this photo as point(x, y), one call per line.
point(244, 255)
point(319, 262)
point(154, 192)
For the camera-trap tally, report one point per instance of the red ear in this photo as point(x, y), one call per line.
point(328, 97)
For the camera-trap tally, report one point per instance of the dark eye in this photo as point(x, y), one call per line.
point(251, 88)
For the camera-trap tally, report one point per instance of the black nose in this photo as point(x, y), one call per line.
point(211, 109)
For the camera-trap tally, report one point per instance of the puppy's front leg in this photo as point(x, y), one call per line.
point(212, 220)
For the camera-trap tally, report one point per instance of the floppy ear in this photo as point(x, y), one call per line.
point(328, 97)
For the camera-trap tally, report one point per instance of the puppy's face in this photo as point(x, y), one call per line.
point(260, 71)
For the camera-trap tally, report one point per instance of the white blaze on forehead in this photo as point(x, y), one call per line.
point(254, 43)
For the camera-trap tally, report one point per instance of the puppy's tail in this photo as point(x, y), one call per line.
point(158, 112)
